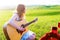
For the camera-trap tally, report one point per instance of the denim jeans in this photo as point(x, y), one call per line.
point(26, 35)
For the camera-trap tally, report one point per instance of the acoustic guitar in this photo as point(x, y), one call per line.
point(14, 34)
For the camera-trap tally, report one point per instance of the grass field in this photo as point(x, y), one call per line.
point(46, 19)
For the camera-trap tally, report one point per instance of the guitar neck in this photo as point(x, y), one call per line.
point(27, 24)
point(24, 25)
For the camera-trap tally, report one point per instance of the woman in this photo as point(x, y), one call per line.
point(19, 16)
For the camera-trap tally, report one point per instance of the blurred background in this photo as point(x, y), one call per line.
point(47, 11)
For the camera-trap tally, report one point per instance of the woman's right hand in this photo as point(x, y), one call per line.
point(21, 28)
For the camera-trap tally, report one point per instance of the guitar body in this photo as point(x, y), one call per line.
point(13, 33)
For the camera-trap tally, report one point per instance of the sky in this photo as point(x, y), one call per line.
point(10, 3)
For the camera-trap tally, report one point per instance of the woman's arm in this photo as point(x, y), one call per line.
point(11, 22)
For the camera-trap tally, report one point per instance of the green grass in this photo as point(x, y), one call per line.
point(46, 19)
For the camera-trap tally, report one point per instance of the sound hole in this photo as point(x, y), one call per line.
point(19, 31)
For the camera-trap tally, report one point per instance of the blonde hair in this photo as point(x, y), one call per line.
point(21, 10)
